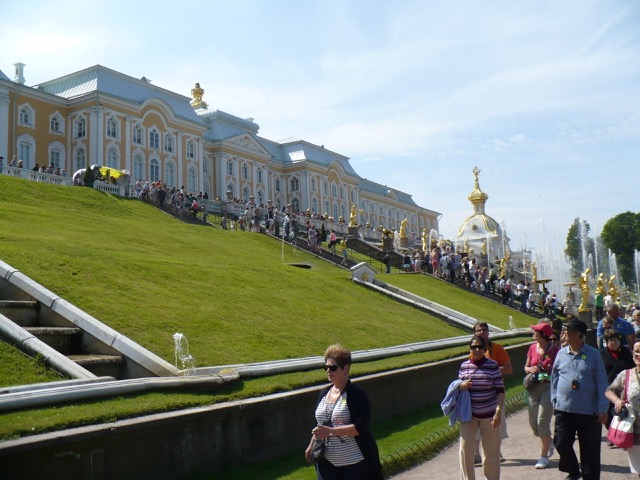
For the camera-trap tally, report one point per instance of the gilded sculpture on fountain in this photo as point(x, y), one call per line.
point(601, 287)
point(425, 240)
point(613, 290)
point(403, 228)
point(584, 286)
point(353, 217)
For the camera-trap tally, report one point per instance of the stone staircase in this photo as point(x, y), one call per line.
point(63, 337)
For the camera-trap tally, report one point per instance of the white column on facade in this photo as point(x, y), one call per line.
point(199, 169)
point(95, 135)
point(305, 198)
point(127, 144)
point(4, 125)
point(179, 159)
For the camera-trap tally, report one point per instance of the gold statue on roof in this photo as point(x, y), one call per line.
point(197, 92)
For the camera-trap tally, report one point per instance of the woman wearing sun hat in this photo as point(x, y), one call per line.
point(540, 359)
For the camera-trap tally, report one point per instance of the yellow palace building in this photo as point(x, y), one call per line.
point(98, 116)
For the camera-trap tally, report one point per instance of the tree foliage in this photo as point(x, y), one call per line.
point(621, 234)
point(579, 245)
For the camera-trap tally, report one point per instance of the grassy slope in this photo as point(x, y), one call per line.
point(149, 276)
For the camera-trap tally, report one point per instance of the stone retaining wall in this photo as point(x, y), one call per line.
point(211, 439)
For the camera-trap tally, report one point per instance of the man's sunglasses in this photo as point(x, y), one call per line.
point(333, 368)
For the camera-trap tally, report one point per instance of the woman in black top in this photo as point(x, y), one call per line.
point(343, 412)
point(616, 359)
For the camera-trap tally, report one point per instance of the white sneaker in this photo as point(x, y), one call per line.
point(552, 450)
point(543, 462)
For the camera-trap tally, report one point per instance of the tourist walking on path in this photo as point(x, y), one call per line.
point(482, 378)
point(343, 412)
point(498, 354)
point(540, 359)
point(345, 252)
point(578, 384)
point(616, 359)
point(617, 391)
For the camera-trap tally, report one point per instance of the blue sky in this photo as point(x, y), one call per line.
point(542, 96)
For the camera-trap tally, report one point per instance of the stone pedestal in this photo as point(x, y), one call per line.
point(353, 232)
point(404, 242)
point(387, 244)
point(586, 318)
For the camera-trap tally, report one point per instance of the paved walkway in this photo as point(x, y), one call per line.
point(520, 451)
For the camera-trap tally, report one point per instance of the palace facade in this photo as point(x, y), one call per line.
point(98, 116)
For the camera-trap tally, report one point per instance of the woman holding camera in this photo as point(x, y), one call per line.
point(616, 392)
point(343, 412)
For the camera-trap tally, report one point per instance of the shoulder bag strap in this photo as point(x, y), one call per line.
point(626, 385)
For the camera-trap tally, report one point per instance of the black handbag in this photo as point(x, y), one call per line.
point(530, 381)
point(317, 451)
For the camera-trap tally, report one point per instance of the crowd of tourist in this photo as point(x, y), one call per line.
point(573, 389)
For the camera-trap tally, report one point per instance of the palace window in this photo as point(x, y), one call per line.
point(295, 205)
point(56, 123)
point(81, 159)
point(229, 168)
point(112, 159)
point(168, 143)
point(245, 171)
point(191, 180)
point(277, 185)
point(259, 175)
point(295, 185)
point(334, 191)
point(54, 159)
point(154, 139)
point(154, 173)
point(341, 193)
point(191, 149)
point(137, 135)
point(138, 167)
point(81, 128)
point(112, 128)
point(170, 174)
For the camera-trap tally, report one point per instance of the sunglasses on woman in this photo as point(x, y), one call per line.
point(333, 368)
point(476, 347)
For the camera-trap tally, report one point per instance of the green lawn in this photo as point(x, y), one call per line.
point(231, 294)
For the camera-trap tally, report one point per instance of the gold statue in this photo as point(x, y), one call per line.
point(613, 290)
point(534, 271)
point(601, 288)
point(197, 94)
point(503, 267)
point(353, 217)
point(403, 228)
point(584, 286)
point(425, 239)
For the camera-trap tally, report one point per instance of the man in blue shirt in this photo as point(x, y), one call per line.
point(578, 383)
point(620, 325)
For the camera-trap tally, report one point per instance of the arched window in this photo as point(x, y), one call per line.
point(295, 184)
point(245, 171)
point(314, 205)
point(138, 167)
point(326, 207)
point(335, 212)
point(229, 168)
point(154, 139)
point(260, 197)
point(277, 184)
point(191, 180)
point(56, 123)
point(295, 204)
point(170, 174)
point(245, 194)
point(341, 193)
point(325, 188)
point(56, 155)
point(259, 175)
point(191, 149)
point(154, 173)
point(25, 116)
point(343, 212)
point(334, 191)
point(313, 184)
point(81, 159)
point(231, 189)
point(112, 159)
point(27, 150)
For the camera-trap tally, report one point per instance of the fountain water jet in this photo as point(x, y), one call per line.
point(187, 362)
